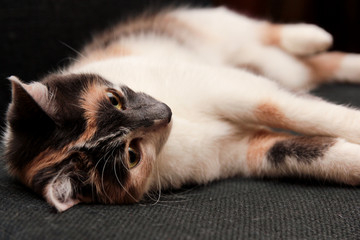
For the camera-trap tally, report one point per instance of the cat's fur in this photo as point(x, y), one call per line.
point(68, 141)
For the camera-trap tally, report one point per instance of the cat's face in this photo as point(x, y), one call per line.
point(77, 138)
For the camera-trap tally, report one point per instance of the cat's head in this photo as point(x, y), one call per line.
point(78, 138)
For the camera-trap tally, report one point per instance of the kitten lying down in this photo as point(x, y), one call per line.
point(177, 98)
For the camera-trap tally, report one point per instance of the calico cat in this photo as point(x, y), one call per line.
point(183, 96)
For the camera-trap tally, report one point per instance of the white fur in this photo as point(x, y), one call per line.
point(341, 160)
point(304, 39)
point(349, 69)
point(60, 187)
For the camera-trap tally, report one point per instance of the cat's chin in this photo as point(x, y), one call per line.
point(165, 129)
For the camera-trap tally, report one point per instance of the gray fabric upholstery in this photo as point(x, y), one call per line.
point(230, 209)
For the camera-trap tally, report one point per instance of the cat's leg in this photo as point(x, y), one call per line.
point(277, 154)
point(277, 65)
point(247, 99)
point(252, 153)
point(333, 67)
point(306, 39)
point(304, 73)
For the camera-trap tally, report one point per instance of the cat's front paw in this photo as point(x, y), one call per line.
point(304, 39)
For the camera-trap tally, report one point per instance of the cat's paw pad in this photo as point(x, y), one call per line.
point(305, 39)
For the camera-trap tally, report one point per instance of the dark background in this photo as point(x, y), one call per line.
point(37, 35)
point(339, 17)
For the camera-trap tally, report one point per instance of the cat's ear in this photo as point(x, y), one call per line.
point(29, 106)
point(60, 193)
point(64, 184)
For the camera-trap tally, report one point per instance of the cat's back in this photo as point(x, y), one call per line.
point(160, 35)
point(181, 34)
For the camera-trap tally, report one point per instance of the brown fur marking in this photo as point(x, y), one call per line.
point(45, 159)
point(90, 102)
point(323, 66)
point(271, 34)
point(271, 116)
point(259, 144)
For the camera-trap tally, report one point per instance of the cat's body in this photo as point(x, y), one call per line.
point(100, 141)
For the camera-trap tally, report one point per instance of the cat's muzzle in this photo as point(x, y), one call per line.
point(147, 112)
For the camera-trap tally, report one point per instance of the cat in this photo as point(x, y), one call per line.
point(187, 95)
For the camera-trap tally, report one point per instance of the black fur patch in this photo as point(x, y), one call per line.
point(34, 130)
point(303, 149)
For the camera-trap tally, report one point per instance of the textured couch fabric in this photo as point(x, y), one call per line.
point(230, 209)
point(235, 208)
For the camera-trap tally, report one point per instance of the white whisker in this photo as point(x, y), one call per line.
point(73, 49)
point(158, 184)
point(92, 182)
point(122, 186)
point(102, 179)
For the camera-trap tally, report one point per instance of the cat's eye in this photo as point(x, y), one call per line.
point(134, 157)
point(114, 100)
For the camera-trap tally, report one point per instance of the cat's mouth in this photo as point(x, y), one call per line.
point(152, 137)
point(158, 124)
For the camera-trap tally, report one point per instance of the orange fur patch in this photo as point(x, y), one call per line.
point(90, 102)
point(271, 116)
point(271, 34)
point(259, 144)
point(182, 30)
point(45, 159)
point(323, 66)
